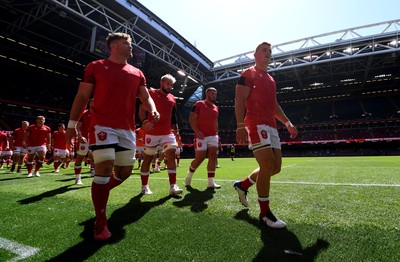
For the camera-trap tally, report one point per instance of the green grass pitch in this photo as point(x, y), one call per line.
point(336, 208)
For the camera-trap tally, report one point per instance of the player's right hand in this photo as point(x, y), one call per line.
point(242, 136)
point(155, 116)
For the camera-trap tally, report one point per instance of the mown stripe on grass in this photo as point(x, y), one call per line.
point(20, 250)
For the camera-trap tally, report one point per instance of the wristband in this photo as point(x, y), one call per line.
point(72, 124)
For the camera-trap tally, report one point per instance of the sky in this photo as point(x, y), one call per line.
point(225, 28)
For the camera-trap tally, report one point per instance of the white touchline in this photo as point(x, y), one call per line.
point(288, 166)
point(20, 250)
point(292, 182)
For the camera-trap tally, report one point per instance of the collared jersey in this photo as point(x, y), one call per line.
point(207, 117)
point(116, 87)
point(18, 134)
point(59, 140)
point(164, 104)
point(261, 102)
point(38, 135)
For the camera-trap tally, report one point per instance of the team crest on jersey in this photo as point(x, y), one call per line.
point(199, 144)
point(102, 136)
point(83, 147)
point(264, 134)
point(148, 140)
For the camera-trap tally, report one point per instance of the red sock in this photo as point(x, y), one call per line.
point(78, 170)
point(56, 164)
point(264, 205)
point(100, 193)
point(144, 176)
point(29, 166)
point(38, 165)
point(114, 181)
point(211, 173)
point(246, 183)
point(172, 176)
point(191, 169)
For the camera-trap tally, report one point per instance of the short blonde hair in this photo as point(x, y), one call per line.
point(168, 77)
point(211, 89)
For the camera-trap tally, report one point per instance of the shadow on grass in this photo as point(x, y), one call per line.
point(51, 193)
point(196, 199)
point(70, 178)
point(13, 178)
point(133, 211)
point(282, 244)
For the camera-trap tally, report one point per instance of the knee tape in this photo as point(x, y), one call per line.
point(101, 155)
point(101, 180)
point(150, 151)
point(125, 158)
point(168, 146)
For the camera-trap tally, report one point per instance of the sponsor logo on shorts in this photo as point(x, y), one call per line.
point(148, 140)
point(102, 136)
point(199, 144)
point(264, 134)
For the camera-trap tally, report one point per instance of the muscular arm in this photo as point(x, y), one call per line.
point(241, 94)
point(147, 103)
point(81, 100)
point(193, 121)
point(281, 116)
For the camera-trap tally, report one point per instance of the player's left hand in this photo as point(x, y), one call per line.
point(292, 130)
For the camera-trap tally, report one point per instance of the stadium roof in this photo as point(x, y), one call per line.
point(50, 42)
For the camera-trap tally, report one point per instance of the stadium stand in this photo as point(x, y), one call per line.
point(344, 95)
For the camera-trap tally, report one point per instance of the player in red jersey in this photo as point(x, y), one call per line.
point(256, 110)
point(82, 144)
point(37, 141)
point(19, 151)
point(60, 147)
point(115, 85)
point(204, 121)
point(140, 136)
point(4, 146)
point(7, 153)
point(161, 134)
